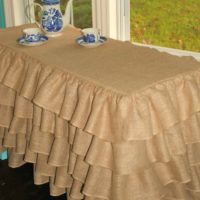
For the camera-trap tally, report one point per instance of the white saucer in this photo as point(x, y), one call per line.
point(81, 42)
point(42, 40)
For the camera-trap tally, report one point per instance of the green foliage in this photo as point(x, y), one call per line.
point(170, 23)
point(82, 13)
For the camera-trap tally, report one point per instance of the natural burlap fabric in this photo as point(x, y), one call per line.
point(117, 122)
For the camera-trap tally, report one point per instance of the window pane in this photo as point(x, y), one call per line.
point(82, 12)
point(169, 23)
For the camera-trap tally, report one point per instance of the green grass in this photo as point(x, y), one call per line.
point(82, 12)
point(170, 23)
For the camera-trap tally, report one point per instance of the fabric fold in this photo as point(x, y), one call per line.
point(95, 143)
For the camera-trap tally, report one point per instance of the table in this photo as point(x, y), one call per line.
point(117, 122)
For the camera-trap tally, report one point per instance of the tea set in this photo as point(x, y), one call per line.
point(32, 37)
point(91, 38)
point(52, 23)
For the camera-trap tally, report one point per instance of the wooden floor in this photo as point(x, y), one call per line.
point(17, 184)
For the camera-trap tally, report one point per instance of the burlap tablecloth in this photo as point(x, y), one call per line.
point(117, 122)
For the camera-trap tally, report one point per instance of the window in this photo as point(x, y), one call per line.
point(112, 18)
point(168, 23)
point(82, 13)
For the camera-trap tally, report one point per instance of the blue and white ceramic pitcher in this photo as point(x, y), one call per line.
point(52, 21)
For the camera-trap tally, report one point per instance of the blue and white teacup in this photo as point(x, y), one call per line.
point(32, 34)
point(90, 35)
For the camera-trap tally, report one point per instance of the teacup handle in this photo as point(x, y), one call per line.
point(29, 15)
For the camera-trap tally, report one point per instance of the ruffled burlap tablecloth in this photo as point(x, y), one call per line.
point(117, 122)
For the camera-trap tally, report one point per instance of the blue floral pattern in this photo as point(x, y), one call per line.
point(32, 37)
point(89, 38)
point(52, 20)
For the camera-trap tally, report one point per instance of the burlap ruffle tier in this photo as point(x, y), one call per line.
point(96, 144)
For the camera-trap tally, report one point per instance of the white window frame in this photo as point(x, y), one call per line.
point(112, 17)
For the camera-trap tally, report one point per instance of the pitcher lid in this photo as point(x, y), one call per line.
point(50, 2)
